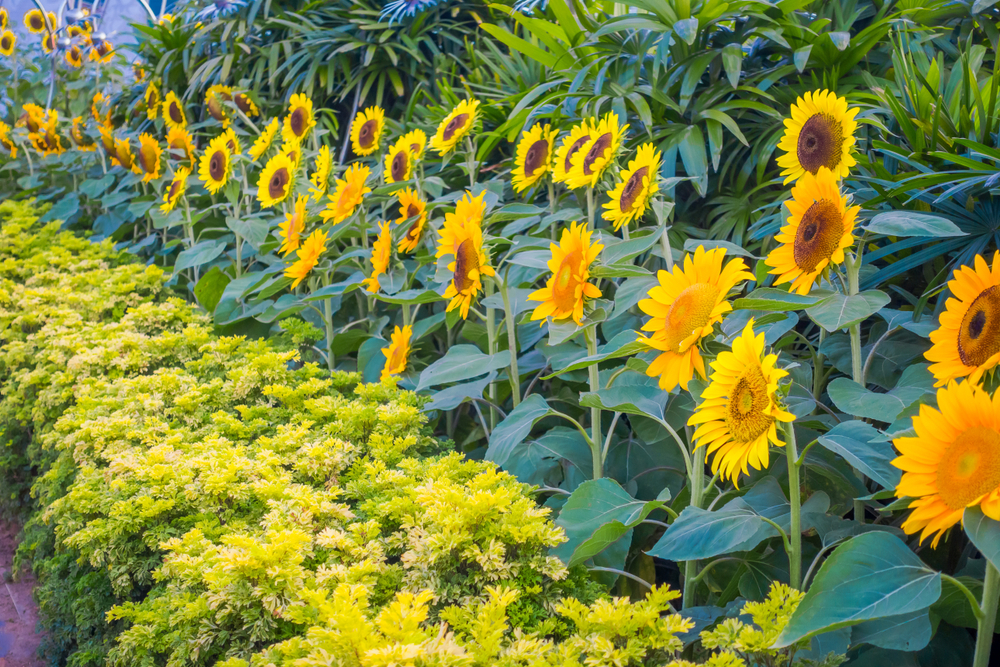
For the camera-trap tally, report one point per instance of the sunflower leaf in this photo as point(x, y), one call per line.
point(461, 362)
point(769, 298)
point(913, 223)
point(512, 431)
point(856, 442)
point(838, 311)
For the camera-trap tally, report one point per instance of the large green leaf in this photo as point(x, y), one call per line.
point(698, 534)
point(512, 431)
point(984, 533)
point(906, 632)
point(838, 311)
point(461, 362)
point(855, 400)
point(858, 442)
point(769, 298)
point(912, 223)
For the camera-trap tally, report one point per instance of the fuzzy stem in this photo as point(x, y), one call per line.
point(697, 482)
point(328, 320)
point(590, 209)
point(595, 413)
point(987, 623)
point(515, 375)
point(668, 255)
point(853, 268)
point(795, 498)
point(491, 337)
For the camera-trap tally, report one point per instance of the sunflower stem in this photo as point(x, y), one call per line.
point(795, 498)
point(472, 162)
point(590, 333)
point(987, 622)
point(697, 483)
point(491, 338)
point(668, 255)
point(853, 264)
point(515, 375)
point(328, 320)
point(552, 207)
point(590, 209)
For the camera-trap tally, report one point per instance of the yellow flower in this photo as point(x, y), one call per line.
point(4, 18)
point(455, 126)
point(820, 133)
point(630, 198)
point(967, 342)
point(292, 227)
point(469, 266)
point(276, 182)
point(101, 51)
point(738, 415)
point(97, 106)
point(173, 111)
point(74, 57)
point(411, 206)
point(149, 157)
point(953, 462)
point(232, 142)
point(469, 212)
point(34, 21)
point(570, 146)
point(533, 157)
point(123, 155)
point(398, 162)
point(686, 304)
point(417, 141)
point(820, 227)
point(366, 130)
point(564, 294)
point(176, 190)
point(308, 256)
point(153, 101)
point(108, 142)
point(245, 104)
point(381, 256)
point(265, 139)
point(7, 42)
point(47, 140)
point(49, 42)
point(6, 141)
point(215, 101)
point(348, 194)
point(299, 120)
point(320, 178)
point(81, 140)
point(215, 165)
point(398, 352)
point(293, 151)
point(591, 161)
point(33, 117)
point(179, 141)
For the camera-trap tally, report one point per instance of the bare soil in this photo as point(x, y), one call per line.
point(19, 636)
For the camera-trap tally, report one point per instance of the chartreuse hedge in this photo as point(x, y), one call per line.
point(194, 499)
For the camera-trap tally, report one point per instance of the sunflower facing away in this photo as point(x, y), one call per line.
point(266, 138)
point(307, 257)
point(411, 206)
point(179, 143)
point(469, 212)
point(123, 155)
point(81, 140)
point(455, 126)
point(276, 182)
point(819, 228)
point(293, 226)
point(299, 120)
point(366, 130)
point(215, 102)
point(820, 133)
point(108, 142)
point(687, 303)
point(399, 162)
point(564, 294)
point(533, 157)
point(569, 147)
point(153, 101)
point(97, 105)
point(4, 18)
point(215, 165)
point(245, 104)
point(738, 417)
point(397, 352)
point(469, 266)
point(591, 161)
point(173, 111)
point(347, 195)
point(381, 256)
point(953, 462)
point(7, 42)
point(417, 141)
point(967, 342)
point(176, 190)
point(320, 179)
point(148, 158)
point(631, 197)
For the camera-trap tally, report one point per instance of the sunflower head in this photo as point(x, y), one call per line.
point(366, 130)
point(533, 157)
point(348, 194)
point(455, 126)
point(74, 56)
point(232, 142)
point(101, 51)
point(33, 117)
point(179, 143)
point(108, 142)
point(411, 207)
point(292, 228)
point(293, 151)
point(34, 21)
point(123, 155)
point(320, 179)
point(685, 306)
point(80, 139)
point(7, 42)
point(590, 162)
point(276, 182)
point(737, 419)
point(819, 229)
point(173, 111)
point(4, 18)
point(570, 145)
point(246, 105)
point(417, 141)
point(216, 98)
point(398, 352)
point(266, 138)
point(953, 462)
point(148, 158)
point(215, 165)
point(469, 266)
point(153, 101)
point(469, 212)
point(399, 162)
point(307, 257)
point(5, 141)
point(631, 197)
point(381, 256)
point(176, 190)
point(820, 133)
point(299, 120)
point(565, 292)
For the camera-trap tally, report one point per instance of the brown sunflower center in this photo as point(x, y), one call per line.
point(217, 166)
point(242, 102)
point(597, 150)
point(125, 157)
point(818, 235)
point(565, 282)
point(37, 22)
point(979, 336)
point(175, 112)
point(231, 145)
point(399, 165)
point(215, 108)
point(690, 312)
point(397, 358)
point(632, 189)
point(412, 210)
point(415, 149)
point(154, 98)
point(454, 125)
point(537, 157)
point(413, 233)
point(745, 414)
point(175, 188)
point(102, 49)
point(5, 41)
point(147, 159)
point(573, 150)
point(277, 185)
point(970, 467)
point(821, 142)
point(293, 155)
point(366, 135)
point(466, 263)
point(298, 122)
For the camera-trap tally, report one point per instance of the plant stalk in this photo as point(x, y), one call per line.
point(515, 375)
point(795, 498)
point(668, 255)
point(491, 337)
point(697, 483)
point(853, 268)
point(595, 413)
point(590, 209)
point(987, 622)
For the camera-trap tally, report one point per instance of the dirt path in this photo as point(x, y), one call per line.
point(18, 616)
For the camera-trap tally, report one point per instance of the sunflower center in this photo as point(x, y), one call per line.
point(231, 144)
point(454, 125)
point(5, 42)
point(242, 102)
point(564, 282)
point(632, 189)
point(979, 336)
point(147, 156)
point(596, 151)
point(366, 135)
point(102, 49)
point(536, 158)
point(278, 183)
point(745, 414)
point(298, 122)
point(215, 107)
point(175, 113)
point(174, 188)
point(970, 467)
point(398, 166)
point(818, 235)
point(217, 166)
point(466, 261)
point(690, 311)
point(821, 143)
point(36, 22)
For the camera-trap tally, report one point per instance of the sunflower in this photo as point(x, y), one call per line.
point(630, 198)
point(97, 104)
point(348, 194)
point(74, 57)
point(77, 32)
point(138, 70)
point(533, 157)
point(381, 256)
point(307, 257)
point(468, 268)
point(737, 419)
point(245, 104)
point(215, 165)
point(293, 226)
point(33, 117)
point(589, 163)
point(149, 157)
point(455, 125)
point(215, 102)
point(49, 42)
point(399, 162)
point(967, 342)
point(417, 141)
point(7, 42)
point(6, 141)
point(276, 182)
point(4, 18)
point(176, 190)
point(153, 101)
point(320, 178)
point(173, 111)
point(123, 156)
point(820, 133)
point(266, 138)
point(293, 151)
point(299, 120)
point(570, 146)
point(689, 300)
point(469, 212)
point(81, 140)
point(366, 130)
point(398, 352)
point(179, 141)
point(564, 294)
point(101, 51)
point(411, 206)
point(108, 142)
point(34, 21)
point(953, 462)
point(820, 227)
point(232, 142)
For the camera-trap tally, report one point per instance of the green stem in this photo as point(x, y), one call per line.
point(987, 623)
point(595, 413)
point(491, 337)
point(853, 268)
point(328, 320)
point(795, 498)
point(515, 375)
point(552, 208)
point(590, 209)
point(697, 482)
point(818, 366)
point(668, 255)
